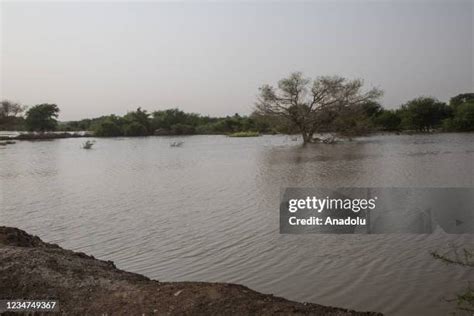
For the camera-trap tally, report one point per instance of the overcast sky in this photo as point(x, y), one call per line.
point(101, 58)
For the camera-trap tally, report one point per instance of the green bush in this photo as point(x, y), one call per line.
point(424, 114)
point(463, 119)
point(42, 117)
point(108, 128)
point(182, 129)
point(135, 129)
point(387, 120)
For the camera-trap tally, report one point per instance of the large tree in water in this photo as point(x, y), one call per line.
point(310, 104)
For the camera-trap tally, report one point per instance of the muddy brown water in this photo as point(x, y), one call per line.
point(208, 211)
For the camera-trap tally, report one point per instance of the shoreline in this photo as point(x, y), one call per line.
point(33, 269)
point(85, 134)
point(44, 136)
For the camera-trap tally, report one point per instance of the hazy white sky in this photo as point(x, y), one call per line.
point(210, 57)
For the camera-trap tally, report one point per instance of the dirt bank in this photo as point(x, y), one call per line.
point(33, 269)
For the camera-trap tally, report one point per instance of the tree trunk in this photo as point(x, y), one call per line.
point(307, 136)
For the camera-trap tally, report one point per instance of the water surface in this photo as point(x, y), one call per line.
point(208, 211)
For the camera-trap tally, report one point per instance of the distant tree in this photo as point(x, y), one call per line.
point(463, 119)
point(140, 117)
point(108, 127)
point(350, 121)
point(182, 129)
point(311, 108)
point(10, 109)
point(11, 115)
point(272, 124)
point(82, 125)
point(461, 98)
point(424, 114)
point(388, 120)
point(372, 108)
point(42, 117)
point(176, 121)
point(167, 118)
point(229, 124)
point(464, 116)
point(135, 129)
point(463, 113)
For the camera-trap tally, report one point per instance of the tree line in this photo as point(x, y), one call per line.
point(296, 105)
point(165, 122)
point(341, 106)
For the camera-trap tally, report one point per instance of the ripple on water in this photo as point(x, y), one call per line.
point(208, 211)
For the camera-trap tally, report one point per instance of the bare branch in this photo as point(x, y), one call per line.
point(304, 106)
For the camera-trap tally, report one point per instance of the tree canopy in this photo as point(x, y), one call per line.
point(9, 109)
point(313, 106)
point(10, 115)
point(42, 117)
point(424, 114)
point(461, 98)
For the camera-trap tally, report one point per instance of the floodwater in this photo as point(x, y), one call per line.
point(208, 211)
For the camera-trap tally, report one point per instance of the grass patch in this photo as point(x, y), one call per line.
point(244, 134)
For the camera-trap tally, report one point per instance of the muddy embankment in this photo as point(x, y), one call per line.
point(33, 269)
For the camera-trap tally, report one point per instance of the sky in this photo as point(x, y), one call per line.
point(98, 58)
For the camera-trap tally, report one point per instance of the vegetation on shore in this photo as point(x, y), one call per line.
point(341, 106)
point(298, 105)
